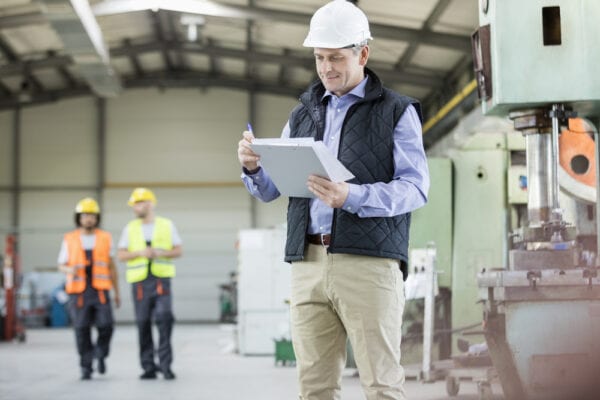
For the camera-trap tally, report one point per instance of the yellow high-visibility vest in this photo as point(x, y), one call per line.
point(137, 268)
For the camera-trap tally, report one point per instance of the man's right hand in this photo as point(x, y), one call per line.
point(248, 158)
point(148, 252)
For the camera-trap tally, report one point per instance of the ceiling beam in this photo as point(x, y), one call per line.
point(193, 79)
point(215, 9)
point(67, 77)
point(5, 90)
point(7, 51)
point(285, 59)
point(30, 82)
point(384, 71)
point(433, 17)
point(133, 59)
point(210, 8)
point(172, 79)
point(162, 40)
point(62, 70)
point(28, 79)
point(19, 67)
point(46, 97)
point(215, 63)
point(180, 60)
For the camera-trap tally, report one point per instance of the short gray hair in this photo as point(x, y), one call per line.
point(357, 47)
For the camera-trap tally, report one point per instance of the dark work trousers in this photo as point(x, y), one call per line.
point(153, 300)
point(87, 310)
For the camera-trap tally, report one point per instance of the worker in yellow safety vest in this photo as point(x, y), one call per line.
point(148, 244)
point(86, 256)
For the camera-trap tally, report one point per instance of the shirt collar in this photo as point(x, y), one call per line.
point(358, 91)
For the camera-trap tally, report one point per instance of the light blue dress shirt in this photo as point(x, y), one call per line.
point(405, 193)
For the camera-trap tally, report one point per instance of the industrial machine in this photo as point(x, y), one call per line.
point(536, 62)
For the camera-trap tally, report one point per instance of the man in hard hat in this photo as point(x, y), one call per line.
point(348, 245)
point(148, 244)
point(86, 256)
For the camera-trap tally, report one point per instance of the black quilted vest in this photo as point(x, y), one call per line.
point(366, 149)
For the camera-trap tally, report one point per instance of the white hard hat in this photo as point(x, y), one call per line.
point(336, 25)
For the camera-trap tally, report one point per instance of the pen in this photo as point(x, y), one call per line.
point(250, 128)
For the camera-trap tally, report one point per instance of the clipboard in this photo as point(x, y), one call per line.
point(289, 162)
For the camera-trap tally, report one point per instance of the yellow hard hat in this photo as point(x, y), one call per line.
point(141, 194)
point(87, 206)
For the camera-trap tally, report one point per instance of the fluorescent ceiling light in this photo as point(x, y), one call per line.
point(203, 7)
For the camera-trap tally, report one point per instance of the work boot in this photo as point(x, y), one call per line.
point(168, 374)
point(86, 374)
point(148, 375)
point(101, 366)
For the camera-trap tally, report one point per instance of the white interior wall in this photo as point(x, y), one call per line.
point(174, 136)
point(58, 144)
point(181, 143)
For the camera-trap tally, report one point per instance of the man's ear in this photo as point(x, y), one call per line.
point(364, 56)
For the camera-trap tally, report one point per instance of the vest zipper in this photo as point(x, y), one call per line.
point(346, 117)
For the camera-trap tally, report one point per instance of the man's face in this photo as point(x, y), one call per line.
point(88, 221)
point(340, 70)
point(142, 208)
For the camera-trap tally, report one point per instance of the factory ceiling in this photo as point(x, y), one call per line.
point(55, 49)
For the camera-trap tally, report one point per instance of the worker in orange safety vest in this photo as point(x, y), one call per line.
point(86, 256)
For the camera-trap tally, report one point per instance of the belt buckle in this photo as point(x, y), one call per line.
point(322, 237)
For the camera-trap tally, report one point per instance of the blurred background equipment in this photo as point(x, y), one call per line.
point(58, 314)
point(11, 273)
point(228, 299)
point(263, 289)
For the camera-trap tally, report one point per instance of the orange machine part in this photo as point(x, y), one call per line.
point(577, 153)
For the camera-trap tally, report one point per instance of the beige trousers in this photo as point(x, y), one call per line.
point(339, 296)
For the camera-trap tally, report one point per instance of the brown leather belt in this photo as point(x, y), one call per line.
point(322, 240)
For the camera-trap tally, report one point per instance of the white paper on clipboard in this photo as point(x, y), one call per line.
point(289, 162)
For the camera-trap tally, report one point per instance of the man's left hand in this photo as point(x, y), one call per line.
point(332, 194)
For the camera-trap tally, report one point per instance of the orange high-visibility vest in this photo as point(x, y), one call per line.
point(101, 276)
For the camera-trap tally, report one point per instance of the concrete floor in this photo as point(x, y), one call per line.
point(46, 367)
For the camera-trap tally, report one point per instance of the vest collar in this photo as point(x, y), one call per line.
point(358, 91)
point(316, 91)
